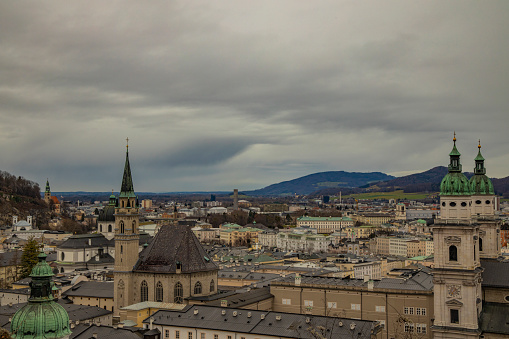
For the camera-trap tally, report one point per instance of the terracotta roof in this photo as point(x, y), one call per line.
point(174, 244)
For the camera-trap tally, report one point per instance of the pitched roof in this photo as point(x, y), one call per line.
point(495, 318)
point(496, 273)
point(94, 289)
point(174, 244)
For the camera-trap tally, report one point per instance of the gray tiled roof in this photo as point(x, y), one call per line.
point(495, 318)
point(174, 244)
point(254, 322)
point(93, 289)
point(76, 312)
point(420, 281)
point(496, 273)
point(246, 298)
point(85, 331)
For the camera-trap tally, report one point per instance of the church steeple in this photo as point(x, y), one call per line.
point(127, 188)
point(47, 186)
point(454, 165)
point(479, 162)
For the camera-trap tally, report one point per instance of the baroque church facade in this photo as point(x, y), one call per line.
point(173, 267)
point(466, 238)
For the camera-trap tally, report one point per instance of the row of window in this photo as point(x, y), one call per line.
point(419, 328)
point(464, 204)
point(178, 290)
point(357, 307)
point(415, 310)
point(190, 335)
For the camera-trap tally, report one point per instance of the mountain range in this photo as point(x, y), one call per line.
point(331, 183)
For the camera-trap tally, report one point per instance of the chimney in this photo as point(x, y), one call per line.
point(298, 279)
point(371, 285)
point(236, 199)
point(14, 220)
point(29, 219)
point(151, 320)
point(94, 335)
point(224, 303)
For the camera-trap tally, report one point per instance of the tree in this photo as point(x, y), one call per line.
point(29, 257)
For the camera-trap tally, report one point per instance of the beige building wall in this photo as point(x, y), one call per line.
point(105, 303)
point(395, 309)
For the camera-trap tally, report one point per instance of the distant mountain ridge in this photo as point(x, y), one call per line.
point(317, 181)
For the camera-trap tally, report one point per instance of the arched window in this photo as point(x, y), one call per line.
point(453, 253)
point(178, 293)
point(159, 292)
point(144, 291)
point(197, 288)
point(134, 226)
point(121, 249)
point(212, 285)
point(121, 227)
point(100, 228)
point(480, 244)
point(109, 228)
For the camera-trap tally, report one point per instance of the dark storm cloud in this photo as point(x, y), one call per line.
point(226, 94)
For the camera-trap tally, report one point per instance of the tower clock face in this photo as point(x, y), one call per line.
point(454, 291)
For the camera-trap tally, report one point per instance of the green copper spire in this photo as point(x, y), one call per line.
point(480, 183)
point(47, 186)
point(127, 189)
point(41, 317)
point(454, 182)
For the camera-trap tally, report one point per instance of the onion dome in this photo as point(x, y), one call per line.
point(41, 317)
point(480, 183)
point(455, 182)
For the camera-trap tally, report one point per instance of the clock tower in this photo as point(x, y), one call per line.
point(457, 272)
point(127, 239)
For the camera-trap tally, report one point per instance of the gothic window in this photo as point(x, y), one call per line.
point(159, 292)
point(178, 293)
point(212, 285)
point(197, 288)
point(109, 228)
point(122, 227)
point(144, 291)
point(134, 226)
point(480, 244)
point(453, 253)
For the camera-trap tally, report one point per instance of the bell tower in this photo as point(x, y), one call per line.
point(47, 193)
point(126, 238)
point(457, 272)
point(484, 204)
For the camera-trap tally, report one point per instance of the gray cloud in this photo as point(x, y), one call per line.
point(227, 94)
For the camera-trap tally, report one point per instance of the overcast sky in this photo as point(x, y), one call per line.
point(216, 95)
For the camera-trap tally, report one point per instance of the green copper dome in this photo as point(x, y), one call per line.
point(41, 317)
point(480, 183)
point(455, 182)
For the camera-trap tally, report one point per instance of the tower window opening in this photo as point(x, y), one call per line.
point(480, 244)
point(478, 202)
point(488, 202)
point(443, 204)
point(212, 286)
point(463, 204)
point(455, 316)
point(109, 228)
point(134, 226)
point(121, 227)
point(453, 253)
point(452, 204)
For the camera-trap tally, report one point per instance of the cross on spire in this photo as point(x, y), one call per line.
point(127, 143)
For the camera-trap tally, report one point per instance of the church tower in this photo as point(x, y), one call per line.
point(484, 204)
point(457, 272)
point(47, 193)
point(126, 238)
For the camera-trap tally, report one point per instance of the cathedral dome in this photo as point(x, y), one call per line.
point(455, 184)
point(41, 317)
